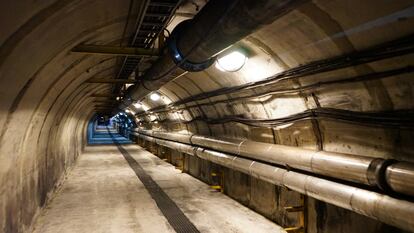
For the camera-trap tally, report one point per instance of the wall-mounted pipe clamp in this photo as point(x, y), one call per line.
point(178, 57)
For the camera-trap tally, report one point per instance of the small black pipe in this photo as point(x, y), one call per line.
point(277, 92)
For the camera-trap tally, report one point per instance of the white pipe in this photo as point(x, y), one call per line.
point(355, 168)
point(381, 207)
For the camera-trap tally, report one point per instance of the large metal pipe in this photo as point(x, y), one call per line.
point(400, 177)
point(217, 26)
point(385, 174)
point(381, 207)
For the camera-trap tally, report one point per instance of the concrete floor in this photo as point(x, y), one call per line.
point(103, 194)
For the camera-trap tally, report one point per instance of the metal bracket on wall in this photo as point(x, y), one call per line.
point(181, 160)
point(302, 212)
point(218, 181)
point(161, 41)
point(115, 50)
point(110, 80)
point(165, 156)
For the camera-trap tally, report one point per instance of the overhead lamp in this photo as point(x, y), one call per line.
point(231, 62)
point(137, 105)
point(155, 96)
point(130, 111)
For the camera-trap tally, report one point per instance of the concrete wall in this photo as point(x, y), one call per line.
point(44, 103)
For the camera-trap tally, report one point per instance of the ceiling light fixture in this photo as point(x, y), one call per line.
point(231, 62)
point(137, 105)
point(155, 96)
point(129, 111)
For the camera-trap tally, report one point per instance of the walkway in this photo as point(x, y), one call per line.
point(104, 194)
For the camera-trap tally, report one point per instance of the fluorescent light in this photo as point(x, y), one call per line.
point(138, 105)
point(129, 111)
point(155, 96)
point(231, 62)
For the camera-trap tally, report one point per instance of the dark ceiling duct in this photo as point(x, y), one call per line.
point(194, 43)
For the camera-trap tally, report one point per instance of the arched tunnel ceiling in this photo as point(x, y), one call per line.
point(45, 99)
point(316, 31)
point(36, 56)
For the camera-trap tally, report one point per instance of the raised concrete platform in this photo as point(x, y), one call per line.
point(103, 194)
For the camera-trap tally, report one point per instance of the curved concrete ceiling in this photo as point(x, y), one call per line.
point(314, 32)
point(46, 103)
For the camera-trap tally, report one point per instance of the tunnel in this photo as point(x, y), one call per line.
point(207, 116)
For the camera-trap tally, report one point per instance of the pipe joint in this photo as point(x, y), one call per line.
point(180, 59)
point(376, 173)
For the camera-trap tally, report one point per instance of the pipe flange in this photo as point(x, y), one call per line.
point(178, 57)
point(376, 173)
point(373, 171)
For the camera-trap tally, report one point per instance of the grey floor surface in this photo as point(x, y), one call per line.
point(103, 194)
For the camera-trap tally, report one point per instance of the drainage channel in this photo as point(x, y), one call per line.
point(169, 209)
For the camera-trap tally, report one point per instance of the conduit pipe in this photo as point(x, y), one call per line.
point(217, 26)
point(381, 207)
point(388, 175)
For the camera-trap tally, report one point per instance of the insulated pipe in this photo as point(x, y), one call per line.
point(217, 26)
point(381, 173)
point(400, 177)
point(381, 207)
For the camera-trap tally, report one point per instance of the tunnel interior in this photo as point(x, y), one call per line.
point(104, 130)
point(294, 114)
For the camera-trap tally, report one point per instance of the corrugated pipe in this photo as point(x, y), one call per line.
point(377, 206)
point(386, 174)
